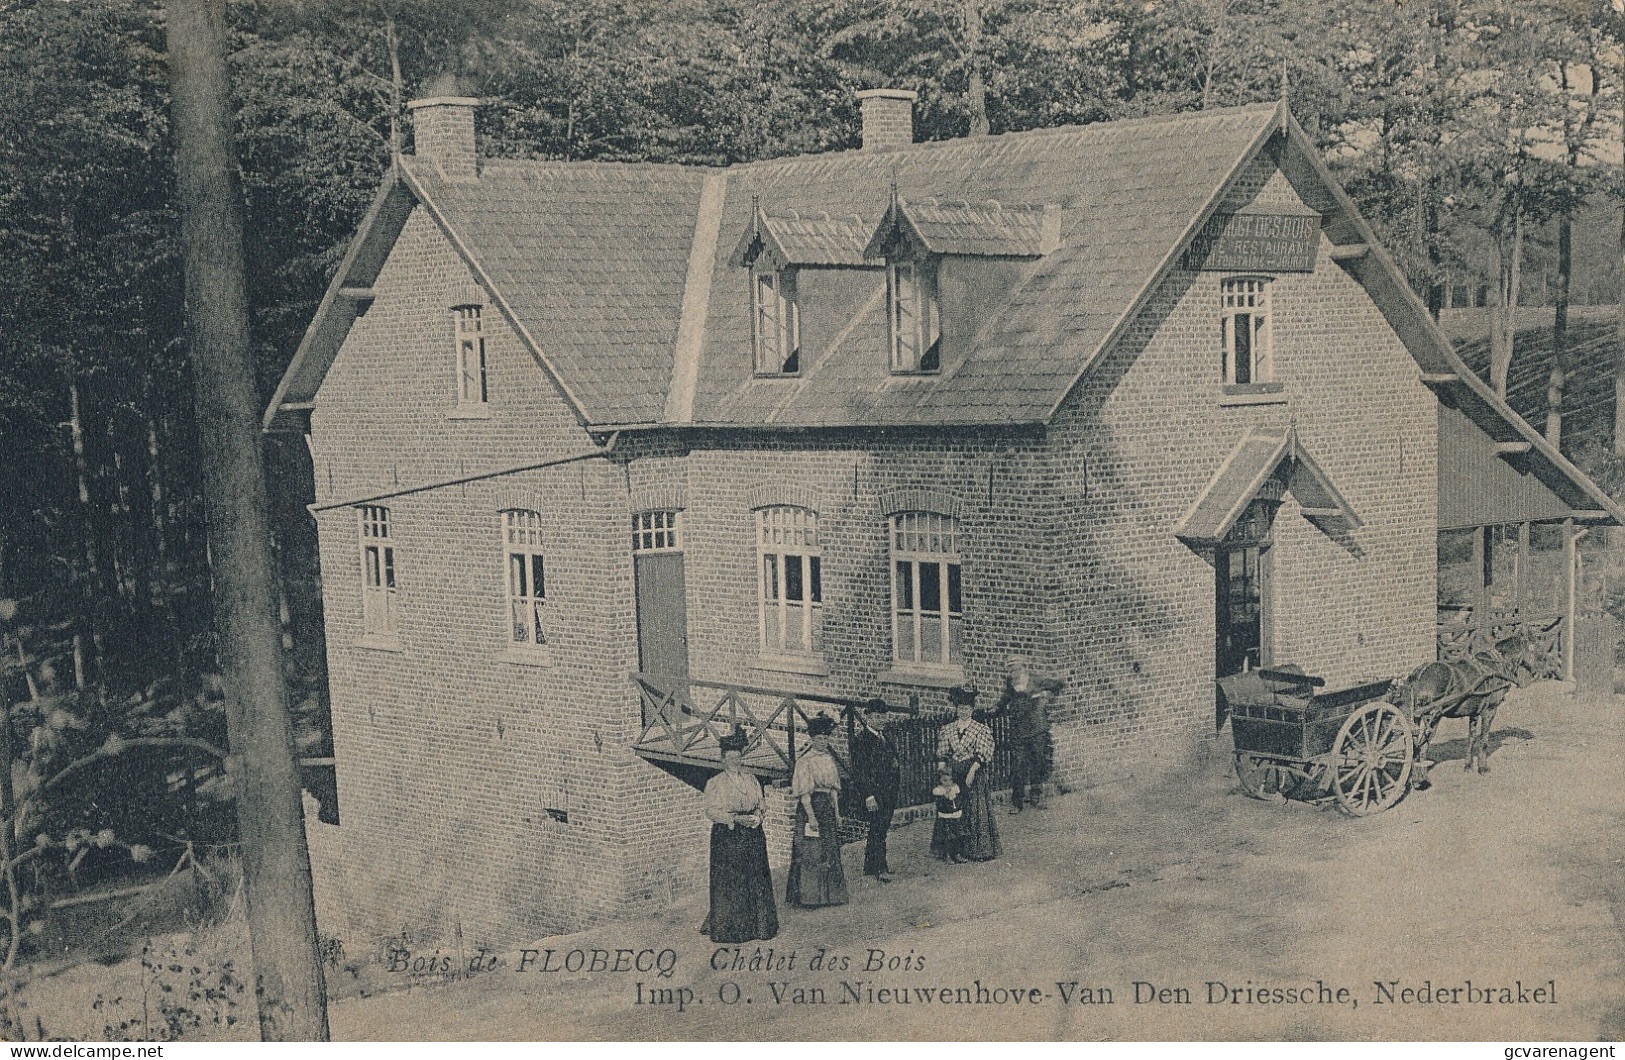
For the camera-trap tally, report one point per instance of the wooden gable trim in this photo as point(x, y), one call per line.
point(337, 311)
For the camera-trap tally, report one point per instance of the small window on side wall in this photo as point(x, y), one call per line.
point(1244, 330)
point(470, 336)
point(915, 323)
point(775, 321)
point(378, 587)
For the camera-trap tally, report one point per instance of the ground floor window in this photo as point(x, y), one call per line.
point(791, 581)
point(527, 577)
point(928, 618)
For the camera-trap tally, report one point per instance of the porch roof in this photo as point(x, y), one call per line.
point(1255, 458)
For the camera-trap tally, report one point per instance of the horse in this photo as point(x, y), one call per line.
point(1470, 687)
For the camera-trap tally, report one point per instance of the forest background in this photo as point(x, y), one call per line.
point(1472, 133)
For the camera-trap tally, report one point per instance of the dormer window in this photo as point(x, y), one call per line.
point(776, 321)
point(916, 332)
point(1244, 330)
point(471, 391)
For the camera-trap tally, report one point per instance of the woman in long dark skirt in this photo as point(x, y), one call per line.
point(966, 748)
point(742, 906)
point(816, 876)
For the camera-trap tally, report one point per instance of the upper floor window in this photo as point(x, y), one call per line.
point(791, 590)
point(916, 334)
point(378, 588)
point(776, 321)
point(655, 532)
point(928, 617)
point(1244, 326)
point(527, 577)
point(470, 355)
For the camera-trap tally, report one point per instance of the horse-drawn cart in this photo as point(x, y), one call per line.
point(1291, 737)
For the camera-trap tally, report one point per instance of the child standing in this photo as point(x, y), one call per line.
point(948, 838)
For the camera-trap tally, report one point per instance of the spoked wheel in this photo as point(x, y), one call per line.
point(1260, 777)
point(1371, 760)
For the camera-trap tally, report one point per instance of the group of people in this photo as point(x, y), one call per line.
point(742, 906)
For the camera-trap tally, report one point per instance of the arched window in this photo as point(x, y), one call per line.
point(790, 573)
point(527, 577)
point(928, 616)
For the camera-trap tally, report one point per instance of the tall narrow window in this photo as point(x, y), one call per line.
point(527, 577)
point(916, 336)
point(791, 581)
point(776, 321)
point(470, 356)
point(928, 617)
point(1244, 329)
point(378, 589)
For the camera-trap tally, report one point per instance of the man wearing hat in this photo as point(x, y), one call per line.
point(875, 780)
point(1025, 700)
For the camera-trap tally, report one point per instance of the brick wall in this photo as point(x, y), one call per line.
point(450, 753)
point(1133, 626)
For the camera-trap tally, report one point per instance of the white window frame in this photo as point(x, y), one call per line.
point(658, 530)
point(1246, 298)
point(918, 541)
point(913, 316)
point(788, 549)
point(775, 321)
point(380, 590)
point(469, 338)
point(525, 573)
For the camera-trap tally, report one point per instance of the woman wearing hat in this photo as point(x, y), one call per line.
point(741, 884)
point(816, 877)
point(966, 747)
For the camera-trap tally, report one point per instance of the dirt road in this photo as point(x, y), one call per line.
point(1512, 882)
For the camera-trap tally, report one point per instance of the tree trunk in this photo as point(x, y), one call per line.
point(1561, 366)
point(1619, 326)
point(288, 984)
point(1504, 329)
point(976, 89)
point(1430, 236)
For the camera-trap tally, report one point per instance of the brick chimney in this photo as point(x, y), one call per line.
point(888, 118)
point(443, 128)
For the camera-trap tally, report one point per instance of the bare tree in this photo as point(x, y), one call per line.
point(276, 864)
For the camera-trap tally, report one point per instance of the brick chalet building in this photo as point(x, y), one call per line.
point(1142, 400)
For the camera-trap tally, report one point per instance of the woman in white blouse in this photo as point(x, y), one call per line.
point(816, 877)
point(742, 906)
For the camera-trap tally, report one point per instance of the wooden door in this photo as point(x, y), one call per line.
point(662, 616)
point(1240, 614)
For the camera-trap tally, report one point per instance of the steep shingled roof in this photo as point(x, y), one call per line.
point(601, 268)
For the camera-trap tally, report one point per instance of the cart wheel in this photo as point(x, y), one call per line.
point(1259, 777)
point(1371, 760)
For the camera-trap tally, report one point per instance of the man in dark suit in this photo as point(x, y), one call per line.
point(1026, 700)
point(875, 781)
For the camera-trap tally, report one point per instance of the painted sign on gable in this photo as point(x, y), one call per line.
point(1256, 242)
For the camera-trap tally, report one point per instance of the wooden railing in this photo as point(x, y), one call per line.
point(1546, 634)
point(683, 722)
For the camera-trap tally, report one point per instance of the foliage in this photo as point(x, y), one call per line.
point(1457, 126)
point(180, 996)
